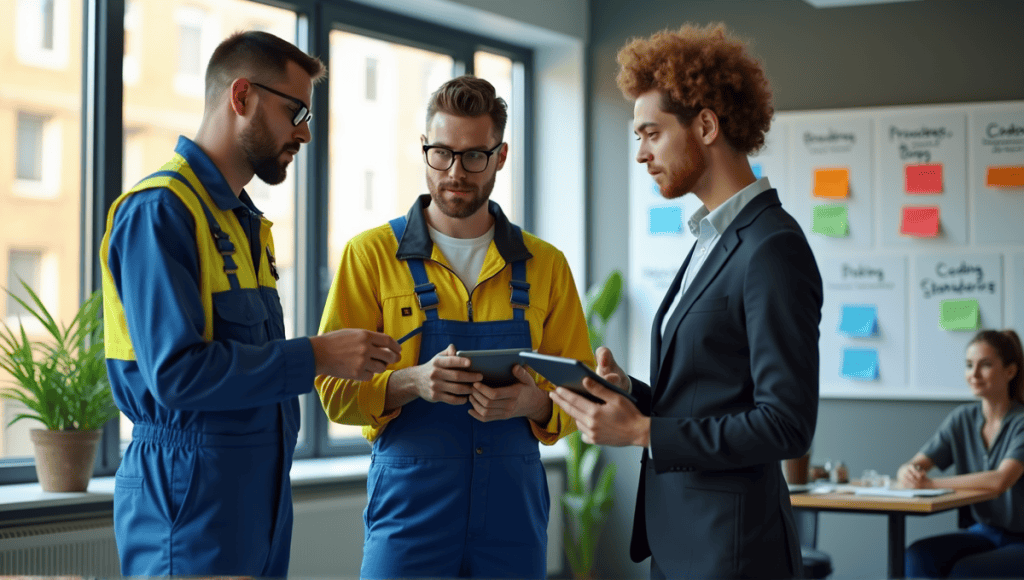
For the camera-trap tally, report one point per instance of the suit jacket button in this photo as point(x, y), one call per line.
point(479, 450)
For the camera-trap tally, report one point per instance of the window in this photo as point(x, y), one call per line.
point(195, 31)
point(42, 30)
point(371, 79)
point(37, 170)
point(367, 170)
point(23, 267)
point(30, 147)
point(40, 209)
point(132, 40)
point(368, 190)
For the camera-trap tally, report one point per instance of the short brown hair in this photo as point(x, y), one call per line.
point(701, 68)
point(469, 96)
point(1007, 345)
point(254, 52)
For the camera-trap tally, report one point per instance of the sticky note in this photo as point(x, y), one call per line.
point(834, 183)
point(831, 220)
point(923, 178)
point(1006, 176)
point(920, 221)
point(859, 320)
point(756, 168)
point(959, 314)
point(666, 220)
point(860, 364)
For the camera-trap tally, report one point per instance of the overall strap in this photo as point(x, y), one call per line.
point(426, 292)
point(220, 237)
point(520, 296)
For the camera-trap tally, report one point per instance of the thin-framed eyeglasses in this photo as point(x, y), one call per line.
point(301, 116)
point(473, 160)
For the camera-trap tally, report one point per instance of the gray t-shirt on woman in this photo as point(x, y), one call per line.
point(958, 442)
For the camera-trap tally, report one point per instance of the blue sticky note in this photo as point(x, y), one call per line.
point(756, 168)
point(860, 364)
point(666, 220)
point(859, 320)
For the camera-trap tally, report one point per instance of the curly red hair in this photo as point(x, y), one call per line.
point(697, 68)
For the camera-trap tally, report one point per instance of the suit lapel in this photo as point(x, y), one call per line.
point(725, 247)
point(659, 316)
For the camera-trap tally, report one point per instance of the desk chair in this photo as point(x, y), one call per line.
point(817, 564)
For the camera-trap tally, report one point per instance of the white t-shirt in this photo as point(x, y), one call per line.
point(464, 255)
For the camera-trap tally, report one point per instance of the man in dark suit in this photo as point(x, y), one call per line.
point(734, 348)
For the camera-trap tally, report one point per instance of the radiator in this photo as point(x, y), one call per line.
point(74, 548)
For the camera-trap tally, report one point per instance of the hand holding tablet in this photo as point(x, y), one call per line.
point(569, 373)
point(494, 365)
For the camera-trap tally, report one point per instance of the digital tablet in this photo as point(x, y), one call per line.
point(494, 365)
point(568, 373)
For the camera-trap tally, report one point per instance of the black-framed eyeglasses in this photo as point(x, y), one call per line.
point(302, 115)
point(473, 160)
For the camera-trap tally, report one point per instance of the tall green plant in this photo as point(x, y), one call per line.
point(62, 380)
point(586, 506)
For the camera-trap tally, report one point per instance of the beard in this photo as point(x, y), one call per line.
point(265, 159)
point(694, 165)
point(456, 206)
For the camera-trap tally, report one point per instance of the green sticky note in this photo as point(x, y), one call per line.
point(831, 220)
point(959, 314)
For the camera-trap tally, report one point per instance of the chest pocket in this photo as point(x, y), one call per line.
point(710, 304)
point(240, 315)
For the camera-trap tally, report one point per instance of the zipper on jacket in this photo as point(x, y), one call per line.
point(469, 303)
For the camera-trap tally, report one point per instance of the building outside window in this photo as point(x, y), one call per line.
point(30, 147)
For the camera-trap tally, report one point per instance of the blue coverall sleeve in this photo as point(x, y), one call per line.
point(155, 265)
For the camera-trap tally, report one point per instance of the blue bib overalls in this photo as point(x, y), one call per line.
point(451, 496)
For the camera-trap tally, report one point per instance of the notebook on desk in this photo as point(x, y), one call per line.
point(887, 492)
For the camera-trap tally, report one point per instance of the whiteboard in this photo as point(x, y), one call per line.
point(978, 224)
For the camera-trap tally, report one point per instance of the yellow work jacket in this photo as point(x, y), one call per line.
point(374, 290)
point(215, 276)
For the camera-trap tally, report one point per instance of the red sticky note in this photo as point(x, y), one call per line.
point(1005, 177)
point(920, 221)
point(924, 178)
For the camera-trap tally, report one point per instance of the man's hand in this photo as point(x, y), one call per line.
point(617, 422)
point(353, 353)
point(439, 380)
point(611, 371)
point(523, 399)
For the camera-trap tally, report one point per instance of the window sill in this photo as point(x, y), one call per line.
point(27, 501)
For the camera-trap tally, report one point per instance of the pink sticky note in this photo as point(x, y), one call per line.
point(920, 221)
point(924, 178)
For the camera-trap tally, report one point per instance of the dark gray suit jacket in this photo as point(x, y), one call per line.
point(734, 390)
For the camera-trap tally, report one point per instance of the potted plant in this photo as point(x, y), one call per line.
point(62, 382)
point(586, 505)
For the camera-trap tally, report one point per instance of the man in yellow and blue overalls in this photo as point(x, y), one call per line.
point(456, 487)
point(195, 338)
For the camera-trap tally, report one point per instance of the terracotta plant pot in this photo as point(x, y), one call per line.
point(64, 459)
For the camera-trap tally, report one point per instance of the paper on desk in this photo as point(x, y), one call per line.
point(887, 492)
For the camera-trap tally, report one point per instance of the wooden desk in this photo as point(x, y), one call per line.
point(897, 508)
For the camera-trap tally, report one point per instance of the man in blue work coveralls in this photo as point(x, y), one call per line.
point(195, 338)
point(456, 487)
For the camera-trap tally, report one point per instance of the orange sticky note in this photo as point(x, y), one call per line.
point(920, 221)
point(1007, 176)
point(833, 183)
point(924, 178)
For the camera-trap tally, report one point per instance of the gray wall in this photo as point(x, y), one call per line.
point(922, 52)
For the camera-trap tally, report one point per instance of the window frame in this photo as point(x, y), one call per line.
point(101, 170)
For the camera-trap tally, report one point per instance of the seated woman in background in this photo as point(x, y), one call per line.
point(985, 443)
